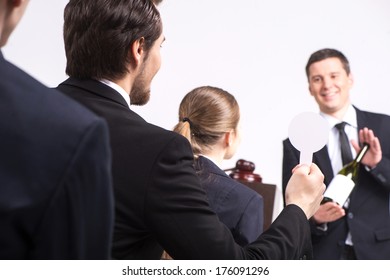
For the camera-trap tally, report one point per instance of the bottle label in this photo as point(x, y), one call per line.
point(339, 189)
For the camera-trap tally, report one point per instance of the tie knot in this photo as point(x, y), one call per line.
point(340, 126)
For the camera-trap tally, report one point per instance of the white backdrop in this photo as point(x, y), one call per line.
point(255, 49)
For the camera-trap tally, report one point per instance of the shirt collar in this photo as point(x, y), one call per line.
point(118, 89)
point(349, 117)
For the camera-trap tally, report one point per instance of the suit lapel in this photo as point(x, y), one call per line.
point(361, 119)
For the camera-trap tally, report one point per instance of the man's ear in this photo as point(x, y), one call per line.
point(350, 80)
point(137, 50)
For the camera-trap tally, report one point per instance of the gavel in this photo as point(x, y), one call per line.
point(244, 171)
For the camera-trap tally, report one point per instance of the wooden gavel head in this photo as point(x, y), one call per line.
point(245, 165)
point(244, 172)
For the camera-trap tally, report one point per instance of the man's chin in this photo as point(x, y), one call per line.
point(140, 100)
point(138, 104)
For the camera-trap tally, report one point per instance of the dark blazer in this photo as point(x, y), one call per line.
point(368, 216)
point(56, 198)
point(237, 206)
point(159, 200)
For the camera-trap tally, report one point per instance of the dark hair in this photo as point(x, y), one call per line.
point(98, 35)
point(327, 53)
point(205, 114)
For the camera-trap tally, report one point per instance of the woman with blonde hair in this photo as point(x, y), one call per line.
point(209, 117)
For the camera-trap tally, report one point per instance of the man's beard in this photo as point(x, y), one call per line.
point(139, 95)
point(140, 92)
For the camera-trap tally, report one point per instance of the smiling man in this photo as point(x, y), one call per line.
point(360, 230)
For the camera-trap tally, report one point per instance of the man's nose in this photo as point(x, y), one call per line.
point(327, 82)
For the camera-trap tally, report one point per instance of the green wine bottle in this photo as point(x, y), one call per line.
point(343, 183)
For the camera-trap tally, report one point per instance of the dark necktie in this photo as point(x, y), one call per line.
point(346, 154)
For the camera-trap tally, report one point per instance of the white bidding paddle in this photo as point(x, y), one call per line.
point(308, 132)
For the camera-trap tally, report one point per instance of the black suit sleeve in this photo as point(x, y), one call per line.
point(78, 222)
point(186, 227)
point(290, 160)
point(380, 124)
point(381, 173)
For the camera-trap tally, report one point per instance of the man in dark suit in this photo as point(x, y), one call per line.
point(360, 229)
point(56, 197)
point(160, 203)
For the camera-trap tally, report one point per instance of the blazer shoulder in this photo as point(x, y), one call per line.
point(371, 116)
point(163, 137)
point(289, 147)
point(378, 122)
point(217, 181)
point(49, 107)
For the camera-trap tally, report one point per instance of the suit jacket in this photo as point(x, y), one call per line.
point(159, 200)
point(56, 197)
point(367, 217)
point(237, 206)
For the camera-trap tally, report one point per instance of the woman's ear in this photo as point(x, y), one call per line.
point(229, 138)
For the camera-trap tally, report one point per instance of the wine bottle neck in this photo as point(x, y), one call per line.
point(362, 152)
